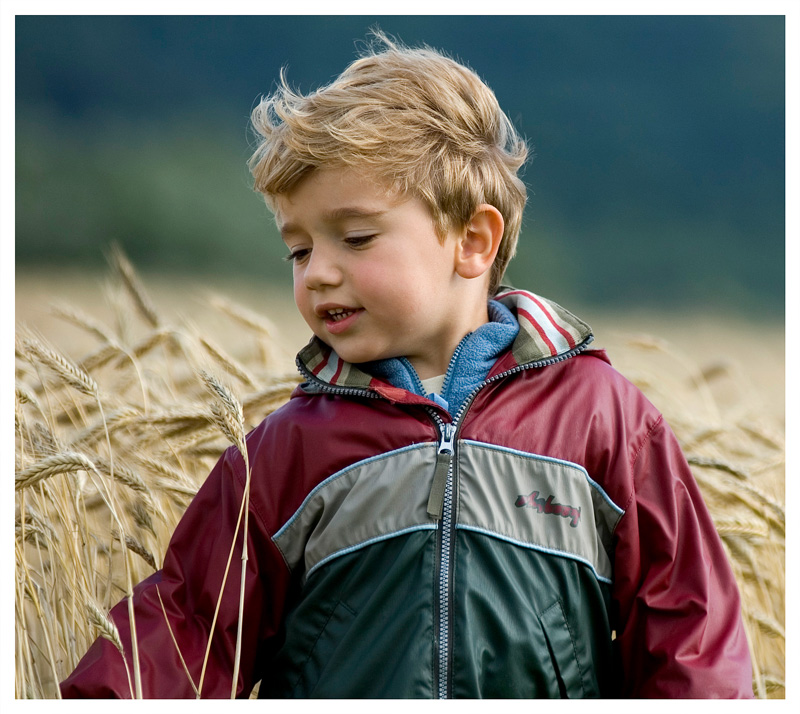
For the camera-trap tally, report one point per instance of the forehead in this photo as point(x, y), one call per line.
point(335, 194)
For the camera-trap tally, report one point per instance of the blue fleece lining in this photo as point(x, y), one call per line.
point(469, 365)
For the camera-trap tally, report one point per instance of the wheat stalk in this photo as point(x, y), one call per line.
point(227, 362)
point(135, 546)
point(107, 629)
point(122, 474)
point(82, 320)
point(719, 465)
point(228, 414)
point(244, 316)
point(26, 396)
point(104, 354)
point(185, 490)
point(741, 528)
point(134, 287)
point(115, 420)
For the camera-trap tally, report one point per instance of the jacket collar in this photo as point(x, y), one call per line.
point(547, 332)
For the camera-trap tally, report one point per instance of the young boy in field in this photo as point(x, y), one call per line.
point(462, 499)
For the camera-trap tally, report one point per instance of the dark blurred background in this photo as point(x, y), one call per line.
point(658, 143)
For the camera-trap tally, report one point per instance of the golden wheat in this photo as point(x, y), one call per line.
point(134, 287)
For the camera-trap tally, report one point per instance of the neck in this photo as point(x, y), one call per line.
point(464, 322)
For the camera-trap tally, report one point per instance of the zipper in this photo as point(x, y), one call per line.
point(441, 505)
point(413, 372)
point(330, 389)
point(443, 470)
point(452, 364)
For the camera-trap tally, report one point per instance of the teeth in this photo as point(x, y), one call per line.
point(339, 313)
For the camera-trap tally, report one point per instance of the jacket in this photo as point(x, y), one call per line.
point(547, 540)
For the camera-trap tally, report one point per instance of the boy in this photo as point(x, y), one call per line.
point(462, 500)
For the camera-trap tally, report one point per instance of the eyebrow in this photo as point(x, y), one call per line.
point(335, 216)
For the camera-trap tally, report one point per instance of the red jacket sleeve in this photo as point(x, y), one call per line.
point(680, 632)
point(189, 584)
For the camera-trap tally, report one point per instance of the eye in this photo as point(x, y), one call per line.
point(359, 241)
point(297, 256)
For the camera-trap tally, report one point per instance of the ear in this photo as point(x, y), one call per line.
point(479, 242)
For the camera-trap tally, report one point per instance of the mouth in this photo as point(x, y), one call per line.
point(337, 318)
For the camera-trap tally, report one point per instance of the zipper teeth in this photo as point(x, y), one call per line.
point(452, 363)
point(331, 389)
point(444, 562)
point(412, 371)
point(519, 368)
point(444, 584)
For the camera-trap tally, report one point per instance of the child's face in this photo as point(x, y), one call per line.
point(371, 278)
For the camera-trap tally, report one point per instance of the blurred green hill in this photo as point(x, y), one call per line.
point(658, 143)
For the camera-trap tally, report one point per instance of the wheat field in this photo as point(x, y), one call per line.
point(122, 410)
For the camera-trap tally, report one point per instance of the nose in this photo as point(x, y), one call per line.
point(321, 269)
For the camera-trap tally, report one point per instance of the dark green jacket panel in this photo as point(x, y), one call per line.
point(526, 623)
point(363, 627)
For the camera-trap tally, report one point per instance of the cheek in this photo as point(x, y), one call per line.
point(403, 295)
point(383, 288)
point(301, 297)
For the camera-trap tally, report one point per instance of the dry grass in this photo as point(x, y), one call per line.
point(112, 445)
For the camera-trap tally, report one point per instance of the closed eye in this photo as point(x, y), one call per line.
point(359, 241)
point(297, 255)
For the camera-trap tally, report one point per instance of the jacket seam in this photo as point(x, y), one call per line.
point(574, 648)
point(347, 550)
point(558, 603)
point(538, 547)
point(646, 438)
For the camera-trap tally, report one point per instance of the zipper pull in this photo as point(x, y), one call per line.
point(444, 456)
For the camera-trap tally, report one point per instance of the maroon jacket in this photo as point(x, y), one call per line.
point(653, 562)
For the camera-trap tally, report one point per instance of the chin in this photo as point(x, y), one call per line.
point(355, 355)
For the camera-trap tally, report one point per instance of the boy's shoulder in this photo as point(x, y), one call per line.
point(595, 370)
point(584, 383)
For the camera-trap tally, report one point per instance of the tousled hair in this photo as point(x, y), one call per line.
point(415, 119)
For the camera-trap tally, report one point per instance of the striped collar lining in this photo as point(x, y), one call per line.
point(547, 330)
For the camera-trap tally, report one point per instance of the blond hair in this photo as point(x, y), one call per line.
point(415, 119)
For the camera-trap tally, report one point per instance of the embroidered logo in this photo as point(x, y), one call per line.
point(547, 505)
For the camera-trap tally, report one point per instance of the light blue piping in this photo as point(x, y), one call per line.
point(538, 457)
point(345, 470)
point(377, 539)
point(532, 546)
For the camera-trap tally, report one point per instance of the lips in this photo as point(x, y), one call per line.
point(338, 318)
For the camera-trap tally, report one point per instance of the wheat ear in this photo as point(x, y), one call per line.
point(134, 286)
point(228, 414)
point(71, 374)
point(64, 462)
